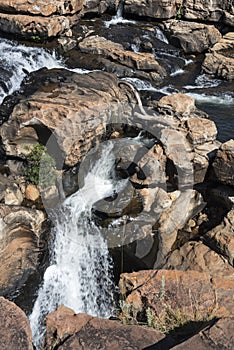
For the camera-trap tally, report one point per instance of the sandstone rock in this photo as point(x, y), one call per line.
point(33, 27)
point(42, 7)
point(99, 6)
point(32, 193)
point(224, 163)
point(219, 61)
point(115, 52)
point(192, 37)
point(217, 337)
point(15, 330)
point(193, 295)
point(198, 257)
point(213, 11)
point(177, 103)
point(221, 238)
point(74, 107)
point(19, 245)
point(85, 332)
point(201, 130)
point(162, 9)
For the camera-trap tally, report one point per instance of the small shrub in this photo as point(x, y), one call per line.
point(40, 167)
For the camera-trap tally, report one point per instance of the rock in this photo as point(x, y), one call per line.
point(162, 9)
point(20, 230)
point(70, 331)
point(99, 6)
point(217, 337)
point(42, 7)
point(11, 190)
point(32, 193)
point(198, 257)
point(191, 37)
point(34, 27)
point(116, 52)
point(13, 195)
point(184, 207)
point(177, 103)
point(15, 329)
point(219, 61)
point(221, 238)
point(213, 11)
point(223, 164)
point(170, 294)
point(82, 105)
point(201, 130)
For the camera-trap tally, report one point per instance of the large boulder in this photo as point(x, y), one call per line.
point(162, 9)
point(169, 295)
point(15, 330)
point(20, 231)
point(67, 330)
point(192, 37)
point(219, 60)
point(74, 107)
point(223, 164)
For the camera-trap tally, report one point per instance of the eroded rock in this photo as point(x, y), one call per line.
point(223, 165)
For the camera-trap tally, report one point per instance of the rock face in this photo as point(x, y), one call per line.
point(15, 330)
point(162, 9)
point(116, 52)
point(73, 106)
point(191, 37)
point(219, 61)
point(86, 332)
point(191, 295)
point(217, 337)
point(20, 230)
point(196, 256)
point(224, 163)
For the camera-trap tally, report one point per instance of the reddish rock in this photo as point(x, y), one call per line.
point(193, 295)
point(15, 330)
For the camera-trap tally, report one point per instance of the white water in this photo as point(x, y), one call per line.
point(160, 35)
point(17, 61)
point(118, 18)
point(80, 272)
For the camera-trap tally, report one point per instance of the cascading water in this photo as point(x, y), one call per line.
point(118, 18)
point(17, 61)
point(79, 275)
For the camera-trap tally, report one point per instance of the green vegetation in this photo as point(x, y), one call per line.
point(40, 167)
point(178, 13)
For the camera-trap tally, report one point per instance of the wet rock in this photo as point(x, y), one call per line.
point(219, 61)
point(115, 52)
point(217, 337)
point(213, 11)
point(34, 27)
point(155, 9)
point(15, 330)
point(193, 295)
point(20, 230)
point(221, 238)
point(223, 165)
point(67, 330)
point(42, 7)
point(99, 6)
point(198, 257)
point(74, 107)
point(191, 37)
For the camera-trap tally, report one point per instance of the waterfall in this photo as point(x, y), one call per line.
point(17, 61)
point(118, 18)
point(79, 275)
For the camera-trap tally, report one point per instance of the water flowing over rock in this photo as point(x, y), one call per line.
point(192, 37)
point(219, 61)
point(15, 330)
point(19, 244)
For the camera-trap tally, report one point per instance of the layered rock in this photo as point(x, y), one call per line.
point(20, 230)
point(191, 37)
point(115, 52)
point(219, 60)
point(223, 164)
point(15, 330)
point(162, 9)
point(74, 107)
point(191, 295)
